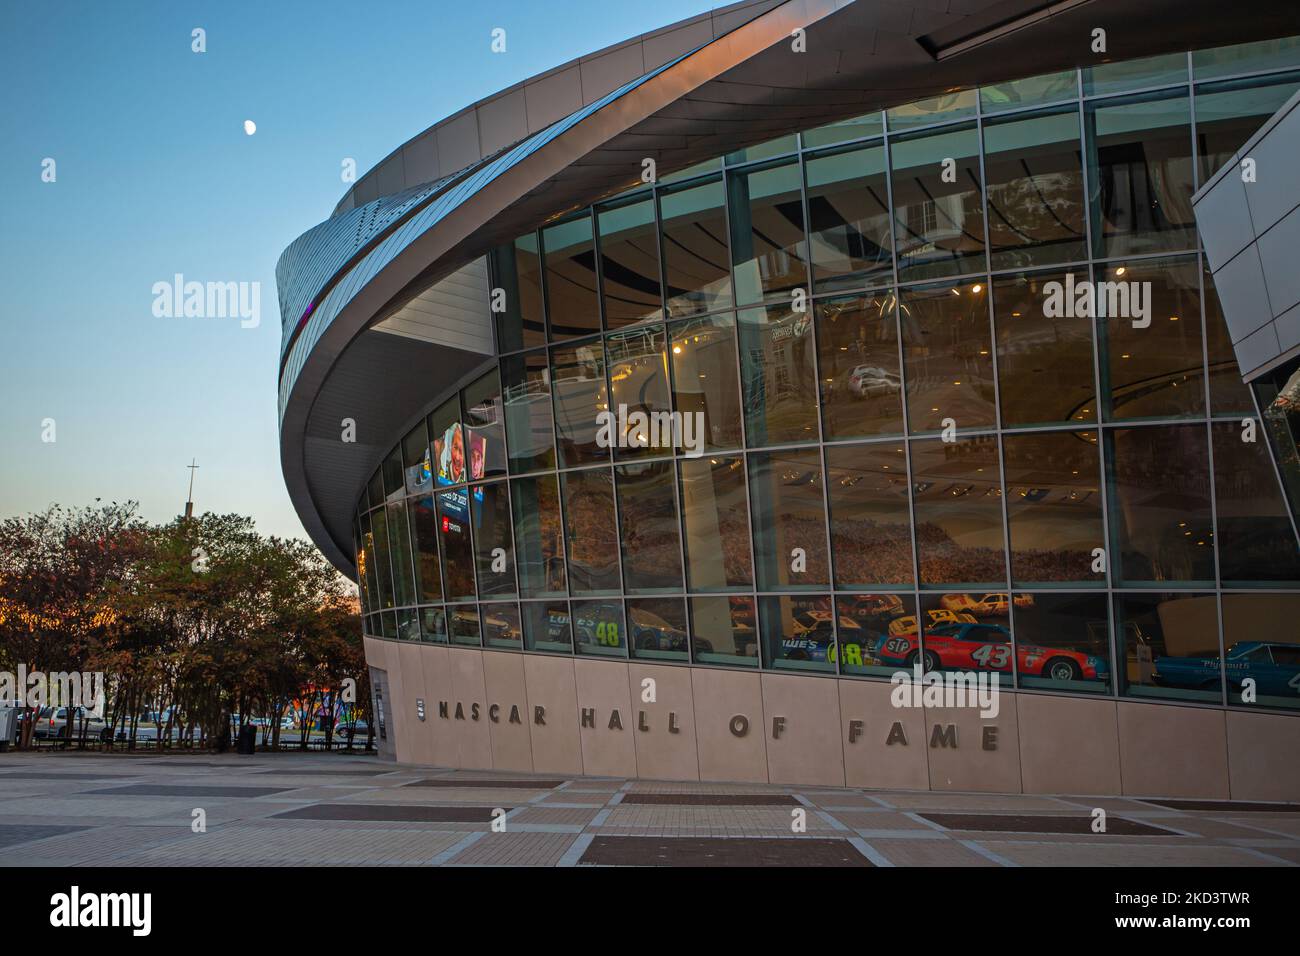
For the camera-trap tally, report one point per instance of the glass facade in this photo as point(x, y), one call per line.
point(907, 454)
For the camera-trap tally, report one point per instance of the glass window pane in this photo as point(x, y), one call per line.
point(1029, 92)
point(958, 507)
point(493, 548)
point(1256, 542)
point(1160, 511)
point(424, 525)
point(394, 479)
point(415, 460)
point(723, 631)
point(1063, 642)
point(871, 527)
point(374, 601)
point(1054, 506)
point(767, 230)
point(658, 628)
point(690, 172)
point(938, 215)
point(591, 531)
point(1140, 176)
point(1162, 70)
point(539, 547)
point(1045, 368)
point(1228, 114)
point(1228, 393)
point(947, 356)
point(716, 518)
point(433, 625)
point(547, 628)
point(1246, 57)
point(578, 387)
point(501, 627)
point(1034, 174)
point(598, 628)
point(639, 423)
point(848, 211)
point(390, 625)
point(697, 264)
point(705, 379)
point(866, 625)
point(857, 347)
point(408, 625)
point(798, 632)
point(517, 271)
point(1256, 647)
point(375, 488)
point(629, 262)
point(788, 518)
point(773, 147)
point(778, 375)
point(383, 561)
point(1278, 394)
point(648, 529)
point(872, 124)
point(485, 442)
point(1170, 644)
point(963, 632)
point(935, 109)
point(464, 624)
point(457, 551)
point(529, 421)
point(1155, 366)
point(571, 302)
point(363, 567)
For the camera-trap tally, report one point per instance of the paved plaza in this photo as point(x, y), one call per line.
point(327, 809)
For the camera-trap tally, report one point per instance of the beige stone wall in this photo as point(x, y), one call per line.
point(525, 712)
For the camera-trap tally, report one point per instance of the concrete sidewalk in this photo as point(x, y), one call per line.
point(332, 810)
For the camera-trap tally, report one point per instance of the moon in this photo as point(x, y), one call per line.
point(250, 127)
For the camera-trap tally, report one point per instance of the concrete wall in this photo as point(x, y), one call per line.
point(559, 715)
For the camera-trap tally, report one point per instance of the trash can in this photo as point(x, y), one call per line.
point(247, 740)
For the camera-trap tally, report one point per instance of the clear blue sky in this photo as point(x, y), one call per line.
point(156, 176)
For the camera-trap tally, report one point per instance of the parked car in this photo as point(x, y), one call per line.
point(1275, 667)
point(52, 722)
point(868, 381)
point(988, 647)
point(907, 623)
point(996, 604)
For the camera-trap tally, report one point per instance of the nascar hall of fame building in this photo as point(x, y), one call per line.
point(825, 232)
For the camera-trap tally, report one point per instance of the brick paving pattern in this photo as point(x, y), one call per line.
point(328, 809)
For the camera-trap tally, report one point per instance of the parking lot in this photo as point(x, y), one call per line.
point(69, 809)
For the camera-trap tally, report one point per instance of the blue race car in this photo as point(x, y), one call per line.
point(1274, 666)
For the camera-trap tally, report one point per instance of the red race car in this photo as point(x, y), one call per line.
point(988, 647)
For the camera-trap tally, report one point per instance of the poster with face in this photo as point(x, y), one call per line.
point(477, 453)
point(450, 450)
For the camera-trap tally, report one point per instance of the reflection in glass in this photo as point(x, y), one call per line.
point(1228, 114)
point(399, 540)
point(578, 388)
point(529, 420)
point(539, 546)
point(1278, 394)
point(958, 507)
point(501, 627)
point(1062, 642)
point(629, 262)
point(648, 528)
point(715, 516)
point(1160, 512)
point(598, 628)
point(1054, 506)
point(433, 625)
point(705, 380)
point(1228, 393)
point(485, 445)
point(546, 627)
point(415, 460)
point(638, 376)
point(1246, 57)
point(517, 270)
point(1170, 643)
point(1256, 542)
point(424, 527)
point(591, 531)
point(867, 623)
point(494, 552)
point(658, 628)
point(1256, 647)
point(871, 535)
point(848, 211)
point(457, 551)
point(383, 562)
point(798, 632)
point(1140, 175)
point(778, 375)
point(938, 215)
point(934, 109)
point(571, 302)
point(857, 347)
point(767, 230)
point(697, 265)
point(1167, 68)
point(1034, 177)
point(408, 625)
point(723, 631)
point(859, 127)
point(1032, 91)
point(947, 356)
point(789, 528)
point(463, 623)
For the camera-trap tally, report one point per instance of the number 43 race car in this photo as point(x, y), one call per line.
point(987, 647)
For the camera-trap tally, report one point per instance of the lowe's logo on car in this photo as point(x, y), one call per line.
point(976, 689)
point(74, 909)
